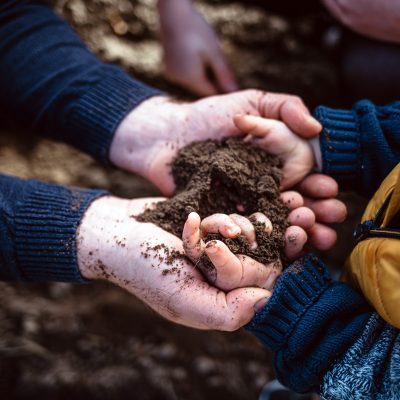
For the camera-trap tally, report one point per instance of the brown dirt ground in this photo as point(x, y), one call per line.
point(59, 341)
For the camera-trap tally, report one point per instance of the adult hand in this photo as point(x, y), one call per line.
point(375, 19)
point(137, 256)
point(192, 55)
point(149, 138)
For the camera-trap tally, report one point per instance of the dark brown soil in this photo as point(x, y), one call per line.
point(226, 177)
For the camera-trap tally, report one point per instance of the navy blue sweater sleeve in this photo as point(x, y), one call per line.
point(51, 83)
point(38, 229)
point(309, 323)
point(360, 146)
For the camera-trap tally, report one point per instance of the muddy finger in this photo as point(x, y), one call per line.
point(227, 266)
point(292, 199)
point(192, 243)
point(295, 239)
point(246, 227)
point(219, 223)
point(263, 219)
point(303, 217)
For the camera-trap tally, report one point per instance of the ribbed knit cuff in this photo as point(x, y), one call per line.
point(93, 120)
point(340, 144)
point(297, 289)
point(45, 225)
point(309, 322)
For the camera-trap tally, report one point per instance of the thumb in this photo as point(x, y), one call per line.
point(292, 111)
point(271, 135)
point(242, 305)
point(297, 117)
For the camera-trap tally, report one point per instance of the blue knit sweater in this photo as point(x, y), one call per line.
point(322, 332)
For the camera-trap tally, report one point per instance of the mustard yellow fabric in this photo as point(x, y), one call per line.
point(374, 265)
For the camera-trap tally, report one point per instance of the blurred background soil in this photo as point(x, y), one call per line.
point(59, 341)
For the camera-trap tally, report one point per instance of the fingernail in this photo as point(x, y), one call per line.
point(253, 245)
point(268, 227)
point(261, 304)
point(211, 247)
point(314, 122)
point(234, 231)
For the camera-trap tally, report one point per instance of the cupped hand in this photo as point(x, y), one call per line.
point(149, 263)
point(149, 138)
point(276, 138)
point(192, 55)
point(230, 270)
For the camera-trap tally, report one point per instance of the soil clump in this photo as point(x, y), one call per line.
point(226, 177)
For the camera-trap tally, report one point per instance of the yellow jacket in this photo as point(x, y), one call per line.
point(374, 265)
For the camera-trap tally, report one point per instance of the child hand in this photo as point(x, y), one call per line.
point(233, 271)
point(276, 138)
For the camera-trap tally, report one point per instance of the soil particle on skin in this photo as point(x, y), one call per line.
point(173, 259)
point(225, 177)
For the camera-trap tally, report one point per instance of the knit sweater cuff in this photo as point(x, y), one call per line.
point(309, 322)
point(295, 292)
point(340, 144)
point(93, 120)
point(45, 225)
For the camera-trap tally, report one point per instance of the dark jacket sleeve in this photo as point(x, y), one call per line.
point(38, 229)
point(360, 146)
point(51, 83)
point(309, 323)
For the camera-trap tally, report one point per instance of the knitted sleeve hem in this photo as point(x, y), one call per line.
point(292, 296)
point(94, 118)
point(340, 144)
point(309, 322)
point(45, 226)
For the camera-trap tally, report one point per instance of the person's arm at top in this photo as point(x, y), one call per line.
point(359, 147)
point(325, 336)
point(52, 83)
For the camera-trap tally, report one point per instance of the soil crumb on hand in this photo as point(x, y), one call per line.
point(226, 177)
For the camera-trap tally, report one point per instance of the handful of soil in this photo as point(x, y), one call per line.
point(226, 177)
